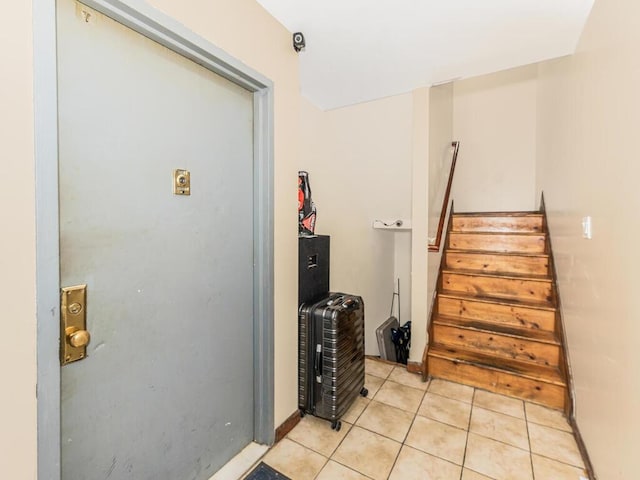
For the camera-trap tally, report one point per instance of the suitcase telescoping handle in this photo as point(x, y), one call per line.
point(318, 363)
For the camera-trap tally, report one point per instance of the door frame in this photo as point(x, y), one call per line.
point(146, 20)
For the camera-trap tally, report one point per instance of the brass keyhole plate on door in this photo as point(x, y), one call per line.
point(181, 182)
point(74, 336)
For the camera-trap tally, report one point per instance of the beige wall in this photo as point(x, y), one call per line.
point(588, 123)
point(359, 164)
point(17, 256)
point(245, 30)
point(372, 161)
point(440, 138)
point(419, 215)
point(495, 121)
point(366, 162)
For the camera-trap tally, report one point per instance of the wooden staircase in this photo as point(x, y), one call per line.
point(494, 324)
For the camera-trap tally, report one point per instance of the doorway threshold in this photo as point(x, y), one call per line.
point(235, 468)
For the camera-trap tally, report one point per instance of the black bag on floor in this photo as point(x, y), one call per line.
point(401, 338)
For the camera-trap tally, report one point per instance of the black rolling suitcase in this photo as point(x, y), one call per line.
point(331, 356)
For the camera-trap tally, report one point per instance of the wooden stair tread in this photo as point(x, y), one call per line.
point(500, 234)
point(531, 371)
point(515, 316)
point(498, 214)
point(526, 263)
point(504, 254)
point(488, 241)
point(541, 336)
point(498, 300)
point(495, 318)
point(513, 276)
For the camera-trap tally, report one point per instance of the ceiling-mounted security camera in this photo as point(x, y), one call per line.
point(298, 41)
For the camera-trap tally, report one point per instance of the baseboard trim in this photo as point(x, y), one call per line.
point(425, 362)
point(415, 367)
point(583, 449)
point(287, 425)
point(378, 359)
point(412, 367)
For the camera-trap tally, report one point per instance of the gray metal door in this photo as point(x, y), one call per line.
point(166, 389)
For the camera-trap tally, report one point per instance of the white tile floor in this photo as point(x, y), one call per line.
point(439, 430)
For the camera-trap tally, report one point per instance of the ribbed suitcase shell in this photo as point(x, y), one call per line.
point(336, 324)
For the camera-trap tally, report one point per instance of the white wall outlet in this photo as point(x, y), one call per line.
point(586, 228)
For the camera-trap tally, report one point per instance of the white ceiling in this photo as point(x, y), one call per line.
point(360, 50)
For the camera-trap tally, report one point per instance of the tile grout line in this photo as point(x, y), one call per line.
point(499, 441)
point(402, 385)
point(415, 416)
point(526, 419)
point(540, 454)
point(466, 443)
point(322, 468)
point(555, 460)
point(551, 427)
point(350, 468)
point(377, 433)
point(402, 444)
point(312, 449)
point(449, 398)
point(496, 410)
point(395, 461)
point(329, 458)
point(353, 425)
point(307, 448)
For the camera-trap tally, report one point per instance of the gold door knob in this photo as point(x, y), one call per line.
point(79, 338)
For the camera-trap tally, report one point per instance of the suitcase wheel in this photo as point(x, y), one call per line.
point(336, 425)
point(302, 414)
point(364, 392)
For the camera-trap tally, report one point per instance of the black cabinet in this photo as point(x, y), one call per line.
point(313, 268)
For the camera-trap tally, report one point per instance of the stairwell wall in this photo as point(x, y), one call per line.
point(587, 164)
point(440, 138)
point(494, 118)
point(419, 215)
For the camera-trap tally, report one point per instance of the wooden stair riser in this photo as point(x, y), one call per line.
point(488, 242)
point(502, 315)
point(494, 321)
point(522, 224)
point(501, 382)
point(495, 263)
point(501, 346)
point(500, 287)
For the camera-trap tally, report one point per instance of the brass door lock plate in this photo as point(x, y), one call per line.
point(181, 182)
point(74, 336)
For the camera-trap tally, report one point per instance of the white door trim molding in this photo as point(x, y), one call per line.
point(146, 20)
